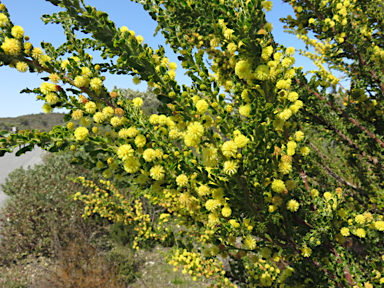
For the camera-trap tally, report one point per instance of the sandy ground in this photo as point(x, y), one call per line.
point(10, 162)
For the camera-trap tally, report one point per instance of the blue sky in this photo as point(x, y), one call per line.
point(27, 13)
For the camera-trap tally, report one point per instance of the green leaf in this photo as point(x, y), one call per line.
point(164, 99)
point(24, 150)
point(67, 117)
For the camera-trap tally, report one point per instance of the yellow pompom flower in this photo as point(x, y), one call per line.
point(196, 130)
point(229, 149)
point(85, 71)
point(17, 32)
point(245, 110)
point(289, 74)
point(290, 51)
point(90, 107)
point(203, 190)
point(299, 136)
point(212, 205)
point(140, 39)
point(250, 242)
point(191, 141)
point(230, 167)
point(137, 102)
point(210, 156)
point(123, 133)
point(99, 117)
point(172, 66)
point(52, 98)
point(228, 33)
point(171, 74)
point(37, 53)
point(132, 164)
point(182, 180)
point(123, 29)
point(77, 114)
point(132, 132)
point(3, 20)
point(81, 133)
point(262, 72)
point(293, 96)
point(21, 66)
point(226, 211)
point(360, 232)
point(140, 141)
point(266, 51)
point(305, 151)
point(174, 134)
point(44, 59)
point(285, 168)
point(232, 47)
point(285, 114)
point(379, 225)
point(165, 61)
point(360, 219)
point(299, 104)
point(162, 120)
point(214, 42)
point(157, 172)
point(345, 231)
point(267, 5)
point(11, 46)
point(278, 186)
point(306, 251)
point(241, 141)
point(70, 125)
point(125, 151)
point(291, 151)
point(234, 223)
point(149, 155)
point(201, 106)
point(293, 205)
point(327, 196)
point(315, 193)
point(47, 108)
point(243, 69)
point(108, 112)
point(286, 159)
point(63, 64)
point(96, 84)
point(27, 46)
point(291, 145)
point(54, 78)
point(80, 81)
point(116, 121)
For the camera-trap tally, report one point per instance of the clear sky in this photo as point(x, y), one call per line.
point(27, 13)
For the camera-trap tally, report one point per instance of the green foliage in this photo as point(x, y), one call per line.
point(40, 211)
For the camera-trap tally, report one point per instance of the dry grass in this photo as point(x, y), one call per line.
point(79, 265)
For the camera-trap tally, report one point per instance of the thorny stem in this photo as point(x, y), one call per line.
point(371, 159)
point(331, 173)
point(344, 114)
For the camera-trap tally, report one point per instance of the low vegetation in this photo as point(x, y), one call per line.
point(45, 242)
